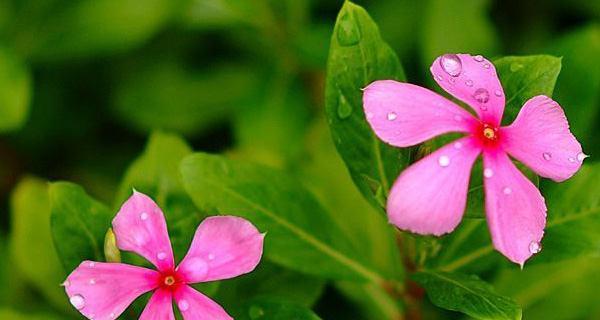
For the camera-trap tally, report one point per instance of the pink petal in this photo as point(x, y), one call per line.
point(196, 306)
point(140, 227)
point(473, 80)
point(540, 138)
point(104, 290)
point(403, 114)
point(223, 247)
point(160, 306)
point(515, 209)
point(429, 197)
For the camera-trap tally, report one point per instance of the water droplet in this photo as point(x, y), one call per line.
point(547, 155)
point(161, 256)
point(256, 312)
point(581, 156)
point(77, 301)
point(211, 256)
point(392, 116)
point(451, 64)
point(112, 315)
point(92, 281)
point(457, 145)
point(498, 93)
point(92, 264)
point(348, 33)
point(144, 215)
point(344, 109)
point(488, 173)
point(535, 247)
point(571, 159)
point(486, 65)
point(515, 66)
point(469, 83)
point(439, 78)
point(507, 190)
point(183, 305)
point(478, 58)
point(481, 95)
point(444, 161)
point(457, 118)
point(369, 115)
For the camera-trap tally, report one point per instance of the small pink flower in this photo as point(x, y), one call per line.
point(223, 247)
point(430, 196)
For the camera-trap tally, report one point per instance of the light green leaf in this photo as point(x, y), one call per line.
point(15, 91)
point(31, 240)
point(357, 57)
point(7, 313)
point(78, 224)
point(298, 228)
point(467, 294)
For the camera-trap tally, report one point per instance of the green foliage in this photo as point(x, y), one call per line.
point(15, 91)
point(467, 294)
point(272, 309)
point(357, 57)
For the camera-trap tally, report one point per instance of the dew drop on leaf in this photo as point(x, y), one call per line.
point(348, 33)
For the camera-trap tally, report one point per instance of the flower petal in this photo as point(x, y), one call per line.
point(160, 306)
point(104, 290)
point(429, 197)
point(403, 114)
point(515, 209)
point(473, 80)
point(540, 138)
point(140, 227)
point(223, 247)
point(196, 306)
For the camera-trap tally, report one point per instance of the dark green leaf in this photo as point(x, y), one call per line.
point(357, 57)
point(15, 91)
point(467, 294)
point(300, 232)
point(273, 309)
point(78, 224)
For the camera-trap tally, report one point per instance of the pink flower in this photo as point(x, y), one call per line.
point(429, 197)
point(223, 247)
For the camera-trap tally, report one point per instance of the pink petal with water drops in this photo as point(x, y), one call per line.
point(429, 197)
point(515, 209)
point(540, 138)
point(159, 307)
point(403, 114)
point(104, 290)
point(193, 305)
point(473, 80)
point(223, 247)
point(140, 226)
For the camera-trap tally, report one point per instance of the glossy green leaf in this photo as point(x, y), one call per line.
point(31, 240)
point(457, 26)
point(298, 228)
point(467, 294)
point(78, 224)
point(273, 309)
point(525, 77)
point(156, 173)
point(15, 91)
point(357, 57)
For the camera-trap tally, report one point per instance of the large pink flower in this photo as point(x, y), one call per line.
point(223, 247)
point(430, 196)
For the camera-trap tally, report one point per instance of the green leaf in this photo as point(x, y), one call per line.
point(7, 313)
point(298, 228)
point(78, 224)
point(467, 294)
point(524, 78)
point(156, 173)
point(373, 300)
point(15, 91)
point(273, 309)
point(211, 14)
point(31, 240)
point(457, 26)
point(357, 57)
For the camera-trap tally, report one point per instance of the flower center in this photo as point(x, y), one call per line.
point(169, 280)
point(489, 133)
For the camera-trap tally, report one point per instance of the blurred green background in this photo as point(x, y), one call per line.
point(84, 82)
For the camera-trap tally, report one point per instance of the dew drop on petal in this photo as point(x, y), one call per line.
point(369, 115)
point(547, 156)
point(211, 256)
point(488, 173)
point(581, 156)
point(498, 93)
point(92, 281)
point(535, 247)
point(92, 264)
point(444, 161)
point(478, 58)
point(457, 145)
point(392, 116)
point(481, 95)
point(161, 256)
point(144, 215)
point(486, 65)
point(112, 315)
point(439, 78)
point(571, 159)
point(451, 64)
point(183, 305)
point(77, 301)
point(469, 83)
point(507, 190)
